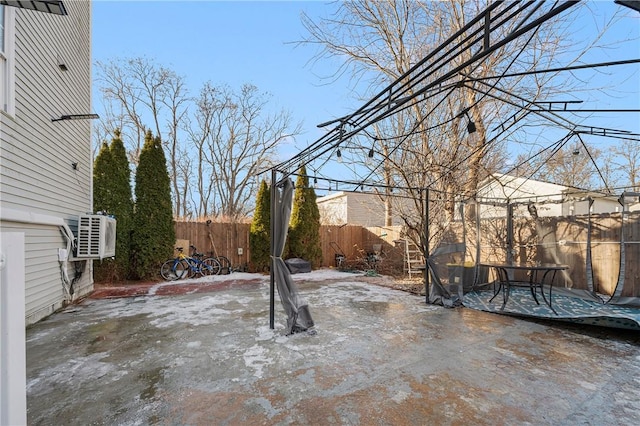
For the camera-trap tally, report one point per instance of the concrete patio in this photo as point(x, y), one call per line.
point(206, 356)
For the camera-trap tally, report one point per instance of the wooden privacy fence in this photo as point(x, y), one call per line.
point(222, 239)
point(564, 240)
point(232, 240)
point(355, 242)
point(549, 239)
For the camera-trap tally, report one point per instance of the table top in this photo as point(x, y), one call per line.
point(527, 266)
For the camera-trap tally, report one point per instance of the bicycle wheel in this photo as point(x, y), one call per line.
point(193, 267)
point(210, 266)
point(174, 269)
point(225, 265)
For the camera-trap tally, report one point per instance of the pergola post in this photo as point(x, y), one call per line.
point(510, 251)
point(272, 250)
point(425, 245)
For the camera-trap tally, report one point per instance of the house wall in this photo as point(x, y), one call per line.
point(550, 199)
point(333, 209)
point(599, 206)
point(365, 210)
point(514, 188)
point(354, 208)
point(503, 187)
point(40, 188)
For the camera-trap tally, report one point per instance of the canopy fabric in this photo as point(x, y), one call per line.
point(438, 293)
point(298, 316)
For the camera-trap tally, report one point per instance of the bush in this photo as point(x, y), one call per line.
point(153, 233)
point(112, 195)
point(304, 231)
point(259, 233)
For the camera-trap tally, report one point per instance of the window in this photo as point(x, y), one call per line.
point(2, 29)
point(7, 65)
point(2, 56)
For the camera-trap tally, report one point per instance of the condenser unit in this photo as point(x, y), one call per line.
point(96, 236)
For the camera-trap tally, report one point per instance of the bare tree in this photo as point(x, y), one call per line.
point(209, 116)
point(239, 137)
point(456, 133)
point(215, 143)
point(627, 162)
point(174, 97)
point(138, 94)
point(571, 165)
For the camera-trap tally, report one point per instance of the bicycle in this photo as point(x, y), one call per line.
point(225, 263)
point(184, 266)
point(210, 264)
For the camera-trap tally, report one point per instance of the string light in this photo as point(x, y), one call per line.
point(371, 153)
point(471, 126)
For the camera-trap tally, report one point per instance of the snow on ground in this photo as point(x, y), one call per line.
point(317, 275)
point(218, 306)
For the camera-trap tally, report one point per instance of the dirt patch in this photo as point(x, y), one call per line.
point(133, 289)
point(410, 285)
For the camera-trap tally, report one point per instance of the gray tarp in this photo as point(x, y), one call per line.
point(298, 266)
point(298, 316)
point(438, 294)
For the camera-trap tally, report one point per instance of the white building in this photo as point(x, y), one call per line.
point(549, 199)
point(354, 208)
point(45, 153)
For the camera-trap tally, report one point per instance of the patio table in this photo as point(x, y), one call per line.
point(537, 272)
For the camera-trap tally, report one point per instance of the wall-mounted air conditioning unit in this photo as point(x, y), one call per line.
point(96, 236)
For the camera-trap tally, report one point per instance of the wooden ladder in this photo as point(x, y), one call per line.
point(413, 259)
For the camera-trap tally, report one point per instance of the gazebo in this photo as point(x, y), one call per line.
point(367, 151)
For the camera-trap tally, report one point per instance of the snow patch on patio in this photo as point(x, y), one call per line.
point(78, 370)
point(256, 359)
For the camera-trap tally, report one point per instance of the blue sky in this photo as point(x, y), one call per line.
point(239, 42)
point(229, 43)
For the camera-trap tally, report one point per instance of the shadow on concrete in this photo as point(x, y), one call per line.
point(380, 356)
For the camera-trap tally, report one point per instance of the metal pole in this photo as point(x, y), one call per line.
point(272, 234)
point(509, 232)
point(425, 247)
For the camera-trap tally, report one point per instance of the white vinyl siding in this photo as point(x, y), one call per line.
point(44, 291)
point(363, 209)
point(333, 209)
point(37, 153)
point(7, 61)
point(551, 200)
point(36, 173)
point(351, 208)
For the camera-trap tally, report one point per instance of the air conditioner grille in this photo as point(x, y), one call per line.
point(96, 236)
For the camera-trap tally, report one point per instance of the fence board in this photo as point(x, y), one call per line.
point(227, 239)
point(556, 239)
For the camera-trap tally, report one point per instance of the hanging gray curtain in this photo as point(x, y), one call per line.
point(298, 316)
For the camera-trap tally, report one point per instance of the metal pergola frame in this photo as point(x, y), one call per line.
point(477, 36)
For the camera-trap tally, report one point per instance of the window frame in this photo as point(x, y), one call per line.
point(7, 63)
